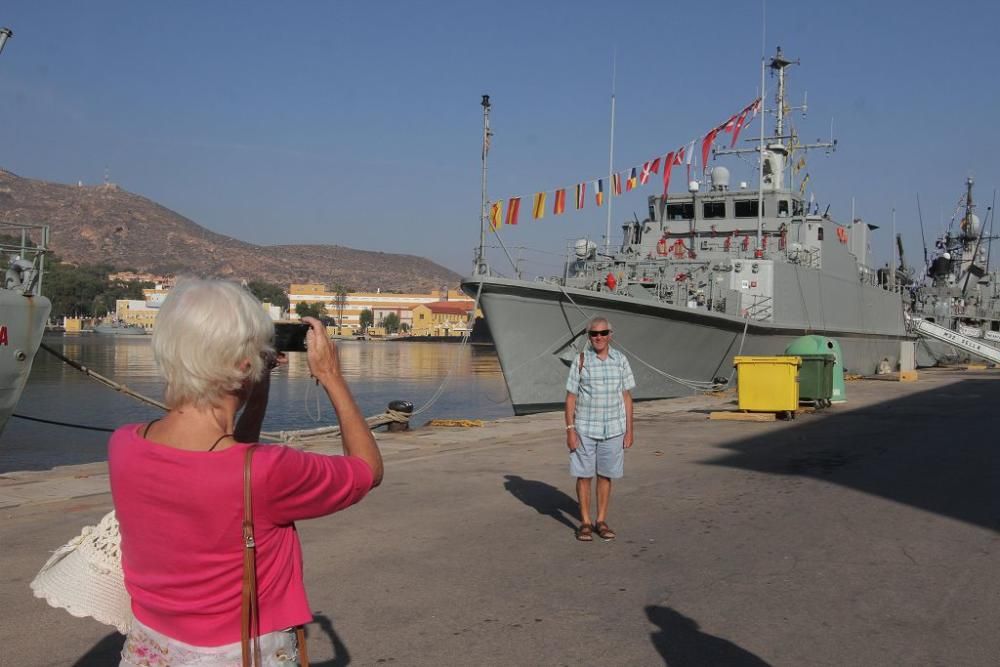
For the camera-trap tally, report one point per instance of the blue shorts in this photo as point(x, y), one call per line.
point(602, 457)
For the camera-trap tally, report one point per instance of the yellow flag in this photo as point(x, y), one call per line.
point(802, 185)
point(496, 215)
point(538, 208)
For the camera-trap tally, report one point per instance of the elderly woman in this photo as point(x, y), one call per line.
point(177, 484)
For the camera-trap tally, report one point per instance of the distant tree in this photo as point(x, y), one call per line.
point(367, 318)
point(269, 292)
point(317, 310)
point(340, 302)
point(391, 322)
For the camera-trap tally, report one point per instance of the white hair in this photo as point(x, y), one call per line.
point(210, 338)
point(600, 318)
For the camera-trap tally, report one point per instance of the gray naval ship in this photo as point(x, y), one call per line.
point(959, 291)
point(707, 276)
point(23, 309)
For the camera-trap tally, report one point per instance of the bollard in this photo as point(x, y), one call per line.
point(406, 408)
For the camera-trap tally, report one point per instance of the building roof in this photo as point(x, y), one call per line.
point(448, 307)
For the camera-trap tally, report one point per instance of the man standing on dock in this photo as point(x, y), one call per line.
point(598, 423)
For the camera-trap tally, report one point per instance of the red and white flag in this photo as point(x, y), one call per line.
point(647, 169)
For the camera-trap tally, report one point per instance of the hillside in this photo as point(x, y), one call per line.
point(105, 224)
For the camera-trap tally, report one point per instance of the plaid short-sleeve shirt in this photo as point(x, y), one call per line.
point(599, 389)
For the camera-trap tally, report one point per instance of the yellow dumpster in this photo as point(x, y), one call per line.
point(768, 384)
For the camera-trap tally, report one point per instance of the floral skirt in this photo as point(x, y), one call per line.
point(145, 647)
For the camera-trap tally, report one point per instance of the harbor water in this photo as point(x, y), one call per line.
point(378, 372)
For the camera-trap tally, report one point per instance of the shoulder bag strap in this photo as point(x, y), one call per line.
point(250, 622)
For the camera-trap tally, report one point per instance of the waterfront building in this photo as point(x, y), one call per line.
point(442, 318)
point(346, 309)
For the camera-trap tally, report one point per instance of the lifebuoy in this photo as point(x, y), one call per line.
point(842, 234)
point(661, 246)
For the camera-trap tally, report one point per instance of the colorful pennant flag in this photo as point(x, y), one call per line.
point(560, 204)
point(581, 195)
point(513, 208)
point(690, 156)
point(802, 185)
point(647, 169)
point(616, 184)
point(706, 146)
point(632, 180)
point(538, 207)
point(668, 165)
point(739, 126)
point(496, 214)
point(797, 167)
point(655, 168)
point(599, 191)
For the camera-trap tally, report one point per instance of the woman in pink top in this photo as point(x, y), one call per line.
point(177, 484)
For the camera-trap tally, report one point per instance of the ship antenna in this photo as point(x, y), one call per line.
point(760, 165)
point(989, 244)
point(968, 221)
point(481, 267)
point(923, 238)
point(611, 153)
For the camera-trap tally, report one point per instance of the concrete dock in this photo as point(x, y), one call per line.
point(866, 534)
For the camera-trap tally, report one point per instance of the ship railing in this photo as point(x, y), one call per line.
point(761, 308)
point(23, 247)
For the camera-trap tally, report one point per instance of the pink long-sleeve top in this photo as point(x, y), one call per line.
point(180, 515)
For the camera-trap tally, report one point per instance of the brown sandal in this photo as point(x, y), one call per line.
point(585, 533)
point(604, 531)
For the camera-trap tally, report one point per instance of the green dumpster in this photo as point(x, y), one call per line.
point(816, 379)
point(823, 345)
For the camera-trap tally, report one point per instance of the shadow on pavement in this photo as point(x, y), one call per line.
point(545, 498)
point(682, 644)
point(935, 450)
point(341, 656)
point(106, 652)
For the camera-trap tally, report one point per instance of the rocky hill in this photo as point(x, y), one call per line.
point(105, 224)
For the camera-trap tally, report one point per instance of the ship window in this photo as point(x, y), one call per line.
point(796, 207)
point(819, 233)
point(995, 325)
point(713, 209)
point(680, 211)
point(782, 208)
point(746, 208)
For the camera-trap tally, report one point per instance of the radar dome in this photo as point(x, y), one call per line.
point(584, 248)
point(720, 178)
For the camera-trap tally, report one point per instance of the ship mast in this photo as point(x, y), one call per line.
point(481, 268)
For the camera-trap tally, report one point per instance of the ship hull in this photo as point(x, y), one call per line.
point(22, 323)
point(539, 327)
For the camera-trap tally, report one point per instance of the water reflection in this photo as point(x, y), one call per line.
point(378, 372)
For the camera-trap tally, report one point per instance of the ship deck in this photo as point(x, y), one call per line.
point(864, 534)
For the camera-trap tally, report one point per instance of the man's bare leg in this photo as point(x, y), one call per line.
point(583, 495)
point(603, 497)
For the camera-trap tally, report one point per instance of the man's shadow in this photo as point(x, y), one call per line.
point(545, 498)
point(682, 644)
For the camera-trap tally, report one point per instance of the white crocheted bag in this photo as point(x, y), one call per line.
point(84, 576)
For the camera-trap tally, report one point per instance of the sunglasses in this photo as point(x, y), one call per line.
point(603, 332)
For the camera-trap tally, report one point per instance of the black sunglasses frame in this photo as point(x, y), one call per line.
point(600, 332)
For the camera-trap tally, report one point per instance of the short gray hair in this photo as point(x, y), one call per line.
point(205, 333)
point(600, 318)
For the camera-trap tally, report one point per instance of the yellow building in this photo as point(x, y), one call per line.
point(380, 303)
point(442, 318)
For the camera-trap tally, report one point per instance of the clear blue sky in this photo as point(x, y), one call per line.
point(358, 123)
